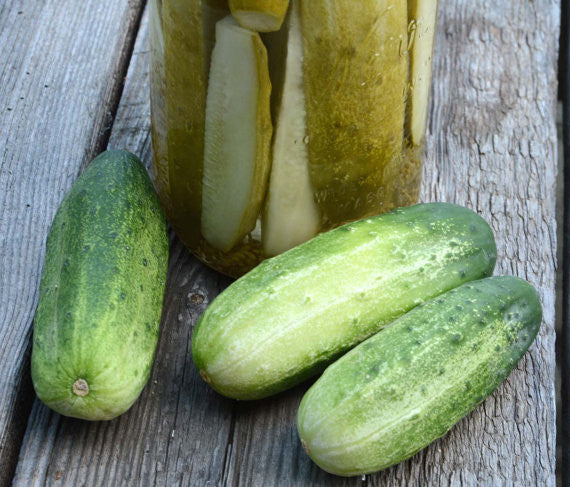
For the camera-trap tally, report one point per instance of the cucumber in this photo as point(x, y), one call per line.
point(293, 314)
point(238, 136)
point(96, 325)
point(259, 15)
point(405, 387)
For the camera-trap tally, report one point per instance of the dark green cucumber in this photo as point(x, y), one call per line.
point(96, 326)
point(406, 386)
point(292, 315)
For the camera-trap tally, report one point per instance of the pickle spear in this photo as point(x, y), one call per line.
point(238, 136)
point(356, 78)
point(179, 150)
point(158, 101)
point(291, 215)
point(259, 15)
point(422, 17)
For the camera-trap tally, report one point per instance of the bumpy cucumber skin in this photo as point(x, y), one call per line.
point(292, 315)
point(403, 388)
point(101, 291)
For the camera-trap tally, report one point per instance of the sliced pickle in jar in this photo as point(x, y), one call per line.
point(237, 137)
point(259, 15)
point(188, 42)
point(158, 100)
point(356, 81)
point(212, 12)
point(422, 17)
point(290, 216)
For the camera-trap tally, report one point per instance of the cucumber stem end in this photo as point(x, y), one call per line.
point(80, 388)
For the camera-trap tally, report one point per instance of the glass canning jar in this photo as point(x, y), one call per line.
point(273, 120)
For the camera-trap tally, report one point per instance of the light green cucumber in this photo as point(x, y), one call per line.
point(292, 315)
point(408, 385)
point(96, 326)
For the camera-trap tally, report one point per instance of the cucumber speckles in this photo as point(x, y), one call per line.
point(292, 315)
point(406, 386)
point(96, 326)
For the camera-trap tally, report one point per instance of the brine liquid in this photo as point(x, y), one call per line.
point(360, 111)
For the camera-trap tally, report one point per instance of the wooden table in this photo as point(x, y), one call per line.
point(74, 80)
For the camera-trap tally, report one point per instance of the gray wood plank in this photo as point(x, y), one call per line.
point(564, 341)
point(492, 147)
point(61, 70)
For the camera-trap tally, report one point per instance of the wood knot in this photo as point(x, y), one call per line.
point(197, 298)
point(80, 388)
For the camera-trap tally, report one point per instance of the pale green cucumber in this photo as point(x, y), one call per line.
point(408, 385)
point(238, 136)
point(293, 314)
point(291, 215)
point(96, 326)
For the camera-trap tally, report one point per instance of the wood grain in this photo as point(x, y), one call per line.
point(564, 342)
point(492, 147)
point(61, 69)
point(179, 429)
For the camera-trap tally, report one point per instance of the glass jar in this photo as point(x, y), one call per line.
point(262, 140)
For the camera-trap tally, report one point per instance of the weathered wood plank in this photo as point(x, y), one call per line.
point(491, 147)
point(61, 70)
point(564, 430)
